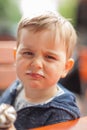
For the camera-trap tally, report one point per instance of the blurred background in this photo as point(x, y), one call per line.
point(11, 12)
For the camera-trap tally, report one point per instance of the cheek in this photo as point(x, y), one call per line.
point(56, 71)
point(20, 61)
point(20, 65)
point(52, 76)
point(19, 68)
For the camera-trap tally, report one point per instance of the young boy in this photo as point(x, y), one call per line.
point(45, 45)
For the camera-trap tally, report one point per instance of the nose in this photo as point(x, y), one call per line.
point(37, 63)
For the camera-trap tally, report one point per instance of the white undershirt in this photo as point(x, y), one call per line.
point(22, 102)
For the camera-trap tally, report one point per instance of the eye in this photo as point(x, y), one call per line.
point(50, 57)
point(28, 54)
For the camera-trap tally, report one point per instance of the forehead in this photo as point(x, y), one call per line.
point(49, 35)
point(54, 31)
point(40, 40)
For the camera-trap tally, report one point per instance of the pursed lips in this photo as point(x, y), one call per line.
point(35, 75)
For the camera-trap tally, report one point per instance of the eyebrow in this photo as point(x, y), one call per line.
point(26, 48)
point(29, 48)
point(53, 53)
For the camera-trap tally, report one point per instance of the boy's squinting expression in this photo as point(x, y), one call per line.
point(41, 59)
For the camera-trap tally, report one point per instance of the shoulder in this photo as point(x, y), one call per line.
point(67, 95)
point(10, 93)
point(66, 103)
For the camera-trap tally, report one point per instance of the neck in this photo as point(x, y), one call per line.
point(37, 96)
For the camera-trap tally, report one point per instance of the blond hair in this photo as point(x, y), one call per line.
point(54, 22)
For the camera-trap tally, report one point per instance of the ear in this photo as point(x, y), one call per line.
point(68, 66)
point(14, 53)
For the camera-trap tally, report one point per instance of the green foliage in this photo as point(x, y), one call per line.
point(10, 14)
point(9, 10)
point(68, 9)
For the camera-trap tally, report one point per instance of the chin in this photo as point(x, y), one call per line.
point(35, 85)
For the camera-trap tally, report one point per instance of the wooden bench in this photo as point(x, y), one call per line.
point(78, 124)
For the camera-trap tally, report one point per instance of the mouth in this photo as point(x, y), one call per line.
point(35, 75)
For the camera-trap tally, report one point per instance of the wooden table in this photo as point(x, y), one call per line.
point(78, 124)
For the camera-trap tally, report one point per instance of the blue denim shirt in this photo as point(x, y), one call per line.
point(60, 109)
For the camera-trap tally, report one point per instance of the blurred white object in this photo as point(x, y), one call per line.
point(7, 115)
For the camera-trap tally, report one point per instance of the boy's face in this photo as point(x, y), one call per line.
point(40, 60)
